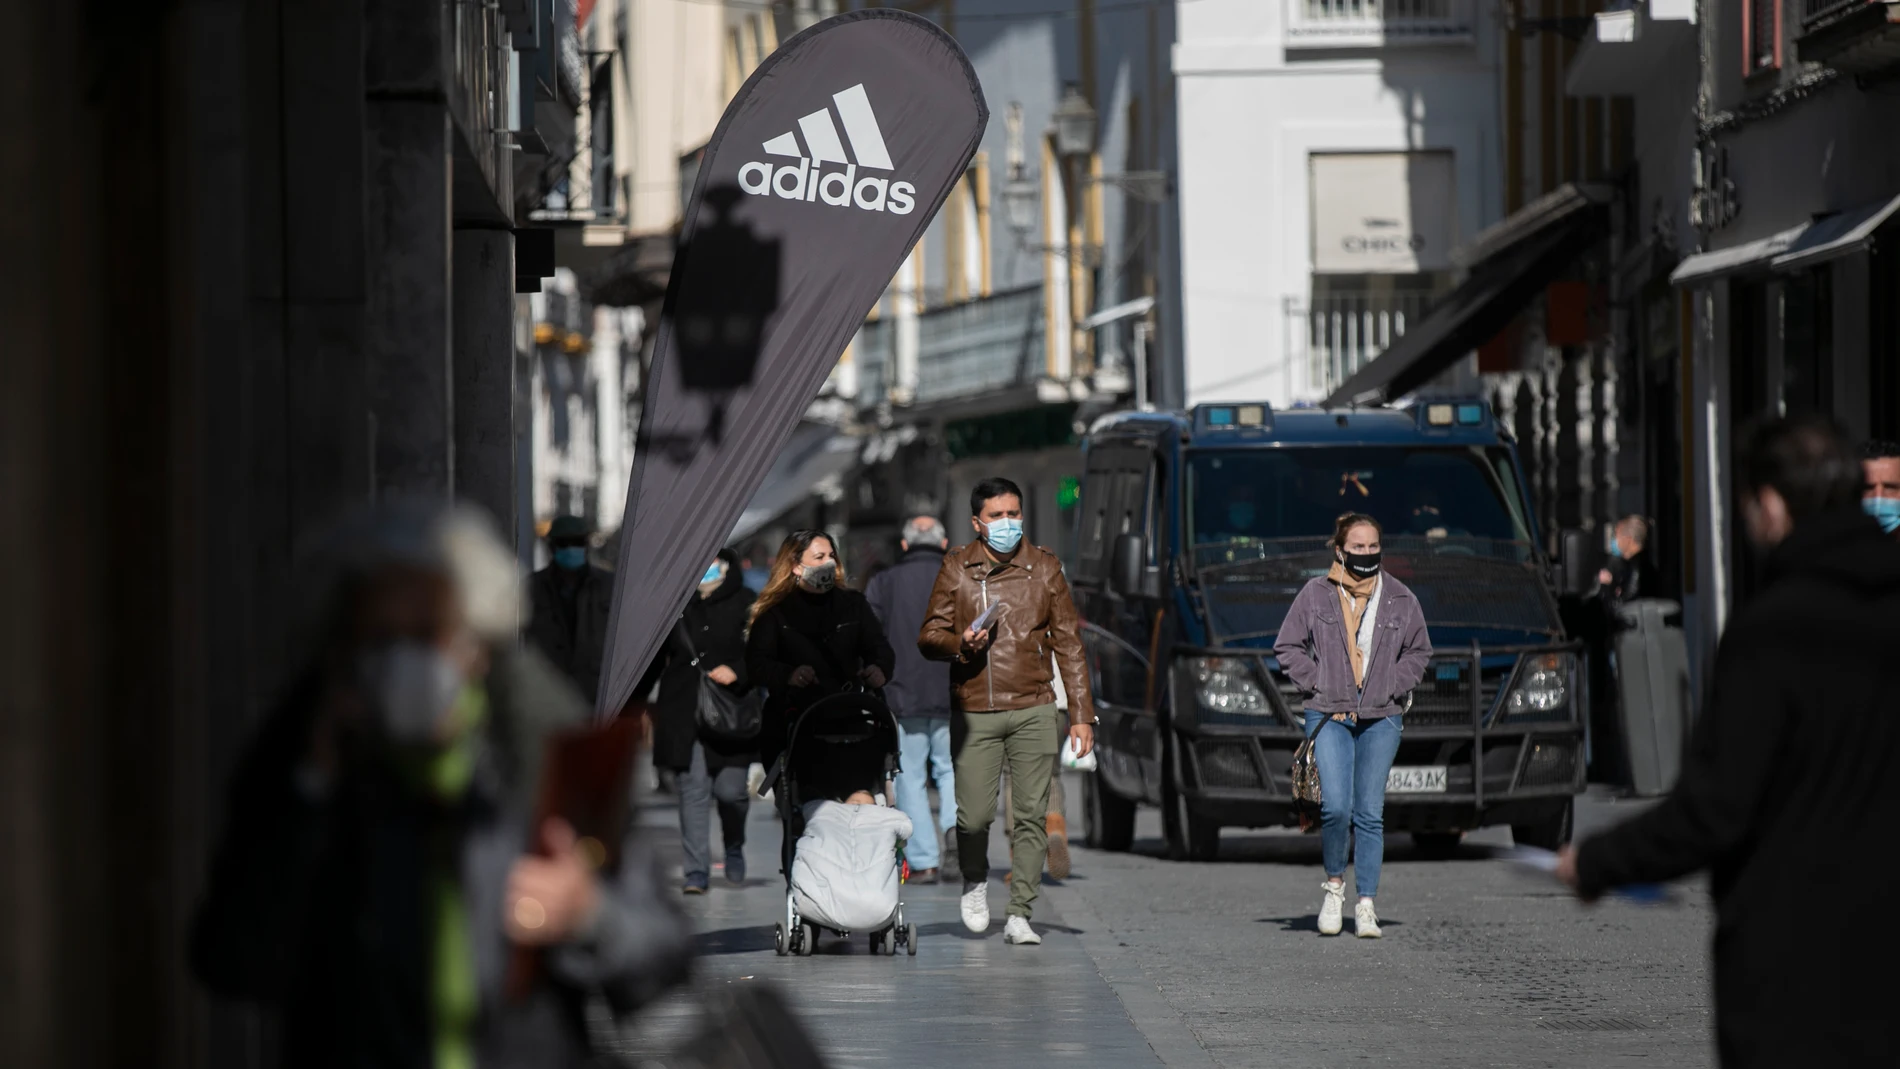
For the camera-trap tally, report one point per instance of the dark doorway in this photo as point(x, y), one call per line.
point(1752, 326)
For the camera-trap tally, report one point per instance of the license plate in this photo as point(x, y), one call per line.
point(1415, 779)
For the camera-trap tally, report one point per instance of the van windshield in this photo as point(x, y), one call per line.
point(1464, 498)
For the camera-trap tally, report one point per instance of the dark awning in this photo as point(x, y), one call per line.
point(1508, 265)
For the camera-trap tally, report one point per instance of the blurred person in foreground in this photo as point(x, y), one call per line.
point(810, 637)
point(375, 877)
point(572, 599)
point(1880, 497)
point(1786, 793)
point(1005, 706)
point(708, 641)
point(919, 693)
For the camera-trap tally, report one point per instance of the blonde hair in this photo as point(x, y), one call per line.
point(785, 571)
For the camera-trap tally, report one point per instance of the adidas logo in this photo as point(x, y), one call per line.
point(808, 181)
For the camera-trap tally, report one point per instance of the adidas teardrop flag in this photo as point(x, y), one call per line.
point(821, 176)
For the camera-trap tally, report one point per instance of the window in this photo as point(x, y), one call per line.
point(1115, 501)
point(966, 219)
point(1464, 500)
point(1761, 35)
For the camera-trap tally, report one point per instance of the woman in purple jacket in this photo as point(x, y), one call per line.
point(1354, 642)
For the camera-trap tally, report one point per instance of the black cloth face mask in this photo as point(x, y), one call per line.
point(1362, 565)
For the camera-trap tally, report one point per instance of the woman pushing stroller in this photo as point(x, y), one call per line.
point(811, 637)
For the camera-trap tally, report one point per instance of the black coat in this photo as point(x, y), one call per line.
point(900, 596)
point(316, 900)
point(717, 627)
point(568, 622)
point(835, 633)
point(1788, 797)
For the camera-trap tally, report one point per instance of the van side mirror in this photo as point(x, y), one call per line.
point(1133, 576)
point(1577, 563)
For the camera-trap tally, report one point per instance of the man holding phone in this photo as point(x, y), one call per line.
point(999, 609)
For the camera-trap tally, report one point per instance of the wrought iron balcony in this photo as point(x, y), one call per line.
point(1338, 333)
point(966, 351)
point(1377, 23)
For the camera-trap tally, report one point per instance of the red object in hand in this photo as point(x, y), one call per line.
point(906, 874)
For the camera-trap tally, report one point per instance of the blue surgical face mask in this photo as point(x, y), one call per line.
point(714, 572)
point(1240, 514)
point(1616, 548)
point(1884, 509)
point(1004, 535)
point(572, 558)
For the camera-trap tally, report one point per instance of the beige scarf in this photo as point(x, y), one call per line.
point(1355, 595)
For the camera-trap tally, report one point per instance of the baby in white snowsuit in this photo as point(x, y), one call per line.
point(846, 871)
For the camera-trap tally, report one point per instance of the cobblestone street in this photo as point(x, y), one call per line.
point(1147, 961)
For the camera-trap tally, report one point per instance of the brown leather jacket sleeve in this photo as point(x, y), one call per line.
point(939, 639)
point(1065, 638)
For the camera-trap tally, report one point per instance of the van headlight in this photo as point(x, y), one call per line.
point(1542, 689)
point(1227, 685)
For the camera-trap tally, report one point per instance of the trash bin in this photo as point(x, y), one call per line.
point(1652, 678)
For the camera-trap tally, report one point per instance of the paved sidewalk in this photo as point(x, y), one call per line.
point(964, 1000)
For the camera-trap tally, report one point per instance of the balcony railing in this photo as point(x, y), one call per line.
point(1344, 331)
point(964, 350)
point(1374, 23)
point(1813, 11)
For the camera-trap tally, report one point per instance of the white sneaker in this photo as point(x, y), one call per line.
point(976, 907)
point(1017, 930)
point(1332, 910)
point(1366, 920)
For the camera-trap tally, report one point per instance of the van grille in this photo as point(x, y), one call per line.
point(1550, 764)
point(1225, 763)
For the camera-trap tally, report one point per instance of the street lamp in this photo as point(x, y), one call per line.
point(1075, 124)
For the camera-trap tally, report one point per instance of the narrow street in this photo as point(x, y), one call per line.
point(1151, 962)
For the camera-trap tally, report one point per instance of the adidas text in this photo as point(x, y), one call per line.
point(840, 189)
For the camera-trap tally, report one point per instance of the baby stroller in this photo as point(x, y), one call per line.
point(846, 738)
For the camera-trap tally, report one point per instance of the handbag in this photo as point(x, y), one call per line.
point(1305, 776)
point(723, 716)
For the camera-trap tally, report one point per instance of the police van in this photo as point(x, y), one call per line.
point(1196, 530)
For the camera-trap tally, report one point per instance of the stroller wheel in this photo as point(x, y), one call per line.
point(910, 940)
point(890, 941)
point(778, 939)
point(807, 940)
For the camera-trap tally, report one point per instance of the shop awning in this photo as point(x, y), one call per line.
point(1705, 267)
point(814, 454)
point(1836, 235)
point(1508, 266)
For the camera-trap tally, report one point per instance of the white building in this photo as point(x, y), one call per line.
point(1333, 154)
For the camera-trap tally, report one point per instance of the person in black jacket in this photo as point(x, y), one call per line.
point(1787, 787)
point(571, 601)
point(709, 640)
point(919, 693)
point(811, 636)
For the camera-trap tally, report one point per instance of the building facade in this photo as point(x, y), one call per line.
point(1321, 225)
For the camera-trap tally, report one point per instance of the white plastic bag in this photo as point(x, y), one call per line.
point(1084, 763)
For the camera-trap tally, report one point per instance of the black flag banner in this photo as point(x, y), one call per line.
point(822, 174)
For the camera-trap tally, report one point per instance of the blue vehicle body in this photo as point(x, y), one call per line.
point(1195, 530)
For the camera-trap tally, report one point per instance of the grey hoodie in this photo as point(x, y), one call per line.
point(1312, 649)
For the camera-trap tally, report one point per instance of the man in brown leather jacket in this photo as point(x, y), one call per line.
point(1001, 693)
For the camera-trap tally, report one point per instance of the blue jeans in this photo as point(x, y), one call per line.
point(1353, 762)
point(925, 746)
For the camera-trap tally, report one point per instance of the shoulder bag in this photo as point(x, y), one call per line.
point(723, 716)
point(1305, 776)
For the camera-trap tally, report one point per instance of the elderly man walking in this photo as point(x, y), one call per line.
point(999, 609)
point(919, 693)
